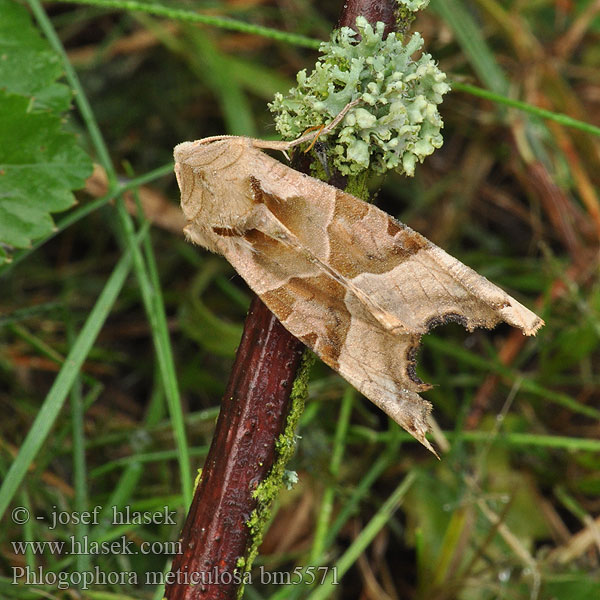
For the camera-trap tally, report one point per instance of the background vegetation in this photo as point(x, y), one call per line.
point(511, 510)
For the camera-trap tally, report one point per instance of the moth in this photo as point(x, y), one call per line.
point(358, 287)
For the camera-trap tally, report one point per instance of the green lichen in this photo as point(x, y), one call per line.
point(290, 479)
point(396, 122)
point(406, 13)
point(198, 479)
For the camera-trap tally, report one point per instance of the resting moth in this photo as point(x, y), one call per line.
point(355, 285)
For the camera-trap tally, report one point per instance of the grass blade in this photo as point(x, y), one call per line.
point(64, 381)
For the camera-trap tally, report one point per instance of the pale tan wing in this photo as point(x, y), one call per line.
point(262, 219)
point(419, 283)
point(330, 320)
point(331, 267)
point(397, 269)
point(401, 273)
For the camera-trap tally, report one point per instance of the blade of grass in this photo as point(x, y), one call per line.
point(80, 484)
point(28, 529)
point(468, 34)
point(364, 538)
point(529, 108)
point(143, 458)
point(45, 350)
point(350, 507)
point(256, 77)
point(194, 17)
point(339, 444)
point(214, 70)
point(527, 385)
point(386, 458)
point(22, 314)
point(151, 297)
point(64, 381)
point(366, 435)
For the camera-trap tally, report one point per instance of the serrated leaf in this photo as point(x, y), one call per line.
point(39, 162)
point(39, 166)
point(27, 63)
point(55, 97)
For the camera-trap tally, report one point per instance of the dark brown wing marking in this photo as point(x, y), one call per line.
point(334, 317)
point(356, 248)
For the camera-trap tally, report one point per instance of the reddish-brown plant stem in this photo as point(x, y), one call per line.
point(372, 10)
point(253, 416)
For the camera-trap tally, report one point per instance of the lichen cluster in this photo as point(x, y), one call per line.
point(396, 123)
point(414, 5)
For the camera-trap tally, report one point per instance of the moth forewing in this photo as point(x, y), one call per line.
point(355, 285)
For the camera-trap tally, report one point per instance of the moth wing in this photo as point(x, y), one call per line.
point(324, 314)
point(397, 270)
point(413, 284)
point(263, 220)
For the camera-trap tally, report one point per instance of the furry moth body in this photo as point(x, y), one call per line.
point(356, 286)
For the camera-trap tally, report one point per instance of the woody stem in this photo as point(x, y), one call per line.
point(253, 415)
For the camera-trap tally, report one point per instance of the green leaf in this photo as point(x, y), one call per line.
point(39, 162)
point(27, 63)
point(55, 97)
point(39, 166)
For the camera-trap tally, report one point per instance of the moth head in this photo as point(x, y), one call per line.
point(201, 159)
point(185, 179)
point(192, 159)
point(203, 153)
point(206, 172)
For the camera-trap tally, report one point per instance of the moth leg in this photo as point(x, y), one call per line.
point(319, 130)
point(307, 137)
point(263, 220)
